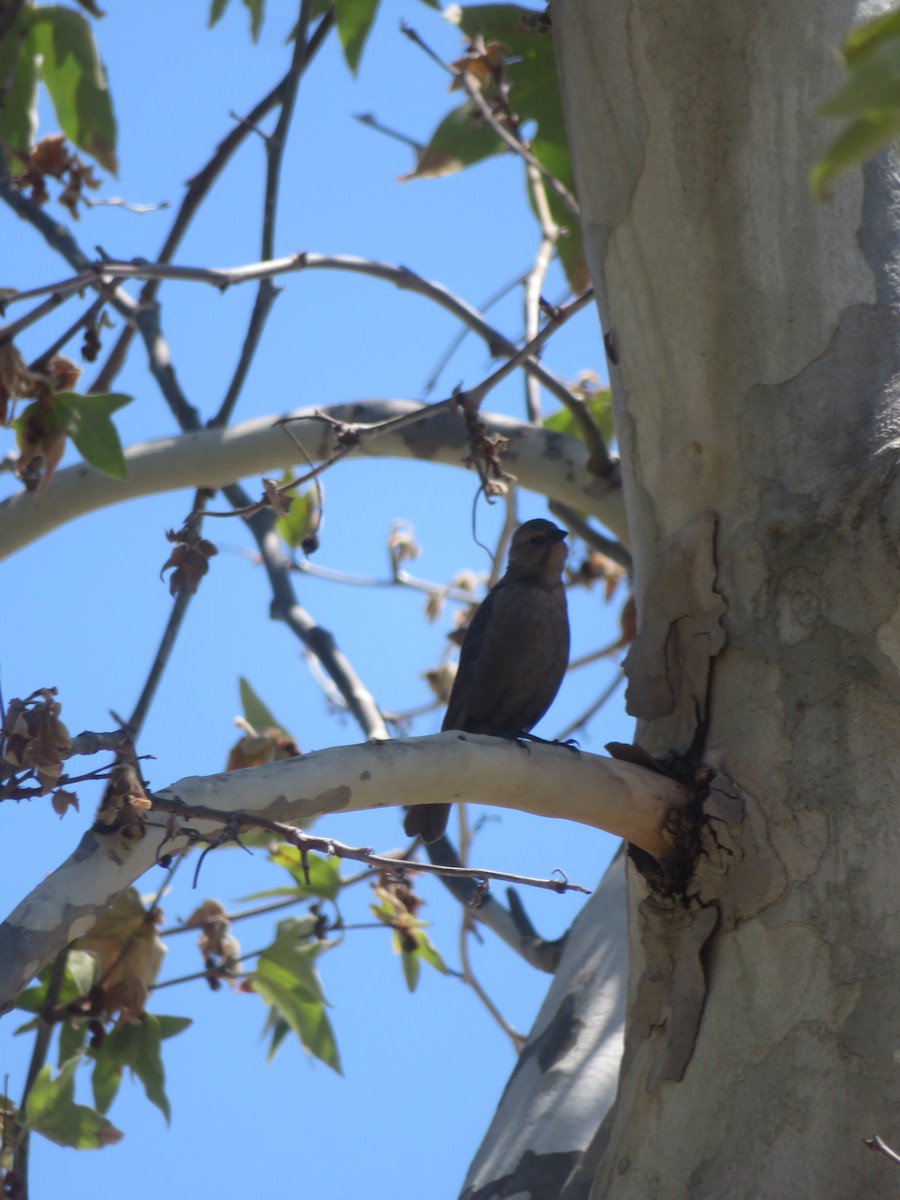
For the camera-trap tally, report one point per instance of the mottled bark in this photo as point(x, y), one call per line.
point(758, 348)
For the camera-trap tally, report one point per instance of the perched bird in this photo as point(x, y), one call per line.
point(514, 654)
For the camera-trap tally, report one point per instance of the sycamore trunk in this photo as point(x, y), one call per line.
point(755, 335)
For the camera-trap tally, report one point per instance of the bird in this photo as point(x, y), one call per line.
point(514, 654)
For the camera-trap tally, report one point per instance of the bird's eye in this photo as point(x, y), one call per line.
point(536, 540)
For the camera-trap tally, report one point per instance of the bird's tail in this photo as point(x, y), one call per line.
point(427, 821)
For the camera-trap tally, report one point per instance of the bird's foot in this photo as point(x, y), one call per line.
point(569, 743)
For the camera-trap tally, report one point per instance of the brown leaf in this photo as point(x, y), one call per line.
point(254, 749)
point(440, 680)
point(16, 380)
point(62, 801)
point(129, 954)
point(189, 559)
point(63, 373)
point(219, 948)
point(279, 501)
point(34, 737)
point(51, 156)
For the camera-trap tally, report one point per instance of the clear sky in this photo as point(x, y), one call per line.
point(83, 610)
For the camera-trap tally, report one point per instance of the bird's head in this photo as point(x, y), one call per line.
point(537, 552)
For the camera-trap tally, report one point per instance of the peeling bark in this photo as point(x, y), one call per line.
point(757, 338)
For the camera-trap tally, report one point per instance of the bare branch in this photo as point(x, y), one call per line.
point(637, 804)
point(234, 822)
point(198, 187)
point(576, 524)
point(510, 138)
point(545, 462)
point(881, 1147)
point(275, 144)
point(401, 277)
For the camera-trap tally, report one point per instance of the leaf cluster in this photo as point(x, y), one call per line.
point(868, 100)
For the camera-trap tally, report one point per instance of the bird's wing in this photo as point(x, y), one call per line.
point(501, 686)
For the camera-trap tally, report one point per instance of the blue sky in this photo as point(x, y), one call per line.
point(85, 607)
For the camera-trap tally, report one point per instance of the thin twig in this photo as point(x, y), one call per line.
point(285, 607)
point(118, 202)
point(38, 1058)
point(401, 579)
point(353, 436)
point(275, 144)
point(198, 187)
point(876, 1143)
point(581, 721)
point(8, 332)
point(593, 537)
point(498, 345)
point(457, 340)
point(306, 842)
point(160, 662)
point(90, 314)
point(466, 929)
point(534, 285)
point(372, 121)
point(514, 142)
point(510, 521)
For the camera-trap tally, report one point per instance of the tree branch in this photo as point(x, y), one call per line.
point(198, 186)
point(275, 144)
point(637, 804)
point(543, 461)
point(401, 277)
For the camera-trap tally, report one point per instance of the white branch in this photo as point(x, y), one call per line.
point(545, 462)
point(547, 780)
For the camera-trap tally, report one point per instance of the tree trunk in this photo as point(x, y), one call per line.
point(756, 341)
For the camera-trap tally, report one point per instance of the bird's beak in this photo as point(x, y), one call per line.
point(560, 534)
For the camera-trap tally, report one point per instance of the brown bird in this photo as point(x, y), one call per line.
point(514, 654)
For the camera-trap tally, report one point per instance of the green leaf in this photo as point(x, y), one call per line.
point(354, 20)
point(286, 979)
point(598, 403)
point(460, 140)
point(78, 979)
point(137, 1046)
point(869, 98)
point(324, 873)
point(860, 141)
point(72, 1036)
point(18, 112)
point(302, 517)
point(88, 423)
point(429, 954)
point(534, 95)
point(256, 8)
point(412, 967)
point(279, 1029)
point(412, 959)
point(51, 1111)
point(75, 80)
point(255, 712)
point(215, 11)
point(871, 33)
point(291, 957)
point(872, 84)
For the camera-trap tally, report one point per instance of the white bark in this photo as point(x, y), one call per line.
point(756, 403)
point(566, 1077)
point(543, 461)
point(548, 780)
